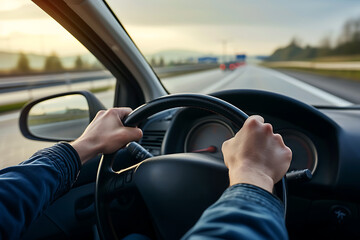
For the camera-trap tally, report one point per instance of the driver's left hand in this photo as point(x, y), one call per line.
point(105, 134)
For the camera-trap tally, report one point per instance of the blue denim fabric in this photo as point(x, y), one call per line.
point(243, 212)
point(28, 188)
point(136, 236)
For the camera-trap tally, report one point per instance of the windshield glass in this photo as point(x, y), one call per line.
point(308, 50)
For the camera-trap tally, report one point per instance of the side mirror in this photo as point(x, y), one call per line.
point(60, 117)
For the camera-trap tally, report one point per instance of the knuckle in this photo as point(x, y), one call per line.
point(268, 127)
point(101, 112)
point(278, 137)
point(279, 140)
point(111, 111)
point(289, 152)
point(225, 144)
point(252, 122)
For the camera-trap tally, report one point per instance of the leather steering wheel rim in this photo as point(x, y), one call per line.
point(201, 101)
point(107, 180)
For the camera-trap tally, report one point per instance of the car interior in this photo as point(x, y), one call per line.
point(163, 196)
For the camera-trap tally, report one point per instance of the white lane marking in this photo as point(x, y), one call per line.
point(9, 116)
point(229, 78)
point(316, 91)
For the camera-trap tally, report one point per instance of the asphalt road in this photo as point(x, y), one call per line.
point(14, 148)
point(66, 130)
point(344, 88)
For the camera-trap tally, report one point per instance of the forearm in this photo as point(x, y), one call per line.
point(243, 212)
point(28, 188)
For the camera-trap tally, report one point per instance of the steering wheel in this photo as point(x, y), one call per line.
point(162, 196)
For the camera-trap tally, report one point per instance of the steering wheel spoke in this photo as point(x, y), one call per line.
point(114, 182)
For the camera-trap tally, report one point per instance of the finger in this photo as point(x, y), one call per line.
point(268, 128)
point(289, 153)
point(128, 134)
point(225, 144)
point(258, 118)
point(279, 139)
point(100, 113)
point(254, 122)
point(123, 111)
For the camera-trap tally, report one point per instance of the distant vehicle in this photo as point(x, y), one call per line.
point(231, 65)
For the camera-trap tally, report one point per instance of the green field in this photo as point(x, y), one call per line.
point(352, 58)
point(346, 74)
point(11, 107)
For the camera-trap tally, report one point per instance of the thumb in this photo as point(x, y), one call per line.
point(128, 134)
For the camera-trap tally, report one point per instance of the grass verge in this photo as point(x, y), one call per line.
point(345, 58)
point(100, 89)
point(12, 106)
point(346, 74)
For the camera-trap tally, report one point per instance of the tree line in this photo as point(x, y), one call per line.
point(347, 44)
point(53, 63)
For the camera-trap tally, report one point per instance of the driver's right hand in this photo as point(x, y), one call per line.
point(256, 155)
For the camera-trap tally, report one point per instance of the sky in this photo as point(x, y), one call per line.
point(255, 27)
point(25, 27)
point(251, 26)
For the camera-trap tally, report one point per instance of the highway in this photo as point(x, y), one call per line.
point(15, 148)
point(66, 130)
point(253, 77)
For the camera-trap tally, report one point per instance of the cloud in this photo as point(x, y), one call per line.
point(25, 11)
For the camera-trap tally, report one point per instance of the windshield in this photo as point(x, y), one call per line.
point(308, 50)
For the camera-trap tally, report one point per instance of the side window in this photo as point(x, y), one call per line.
point(39, 58)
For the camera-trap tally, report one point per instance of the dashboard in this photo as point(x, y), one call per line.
point(206, 133)
point(301, 126)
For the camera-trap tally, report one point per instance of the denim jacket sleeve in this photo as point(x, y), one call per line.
point(28, 188)
point(243, 212)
